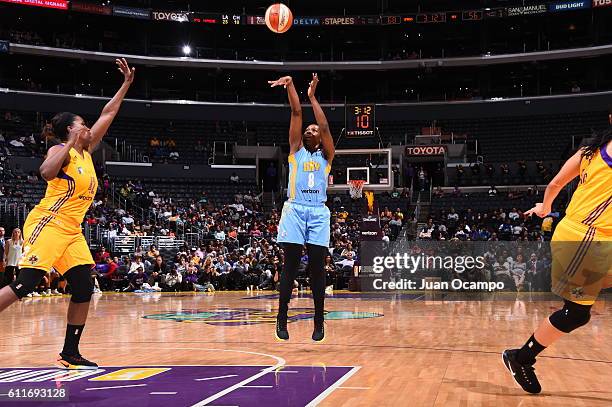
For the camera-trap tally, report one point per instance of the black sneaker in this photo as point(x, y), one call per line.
point(281, 333)
point(75, 362)
point(318, 334)
point(524, 375)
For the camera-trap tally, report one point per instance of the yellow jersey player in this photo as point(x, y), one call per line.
point(581, 252)
point(52, 230)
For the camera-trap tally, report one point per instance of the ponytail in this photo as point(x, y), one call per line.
point(591, 145)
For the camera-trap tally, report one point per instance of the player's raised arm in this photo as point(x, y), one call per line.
point(295, 128)
point(98, 130)
point(569, 171)
point(327, 141)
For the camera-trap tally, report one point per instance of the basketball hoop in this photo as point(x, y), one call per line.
point(356, 188)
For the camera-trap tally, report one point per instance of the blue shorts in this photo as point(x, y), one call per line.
point(304, 224)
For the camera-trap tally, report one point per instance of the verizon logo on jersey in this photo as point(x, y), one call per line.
point(310, 191)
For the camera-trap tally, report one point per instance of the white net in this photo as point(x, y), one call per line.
point(356, 188)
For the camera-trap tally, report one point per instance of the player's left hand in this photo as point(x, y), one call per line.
point(126, 71)
point(313, 85)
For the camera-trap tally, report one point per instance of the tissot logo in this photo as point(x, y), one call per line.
point(167, 16)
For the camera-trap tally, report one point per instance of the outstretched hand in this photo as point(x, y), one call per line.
point(538, 210)
point(284, 82)
point(313, 85)
point(126, 71)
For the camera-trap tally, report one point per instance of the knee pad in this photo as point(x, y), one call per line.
point(81, 284)
point(572, 316)
point(27, 281)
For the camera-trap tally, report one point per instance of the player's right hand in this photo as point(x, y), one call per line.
point(75, 134)
point(284, 81)
point(538, 210)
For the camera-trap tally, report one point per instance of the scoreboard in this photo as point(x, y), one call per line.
point(360, 120)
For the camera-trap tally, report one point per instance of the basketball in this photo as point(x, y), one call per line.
point(279, 18)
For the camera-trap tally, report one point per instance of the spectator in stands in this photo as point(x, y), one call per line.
point(456, 191)
point(172, 281)
point(136, 264)
point(234, 178)
point(412, 228)
point(191, 278)
point(11, 255)
point(395, 225)
point(399, 213)
point(160, 266)
point(32, 178)
point(101, 255)
point(492, 191)
point(347, 263)
point(152, 253)
point(222, 266)
point(170, 143)
point(575, 88)
point(438, 192)
point(490, 169)
point(422, 179)
point(505, 170)
point(518, 271)
point(137, 279)
point(513, 215)
point(475, 167)
point(108, 273)
point(460, 171)
point(427, 230)
point(386, 215)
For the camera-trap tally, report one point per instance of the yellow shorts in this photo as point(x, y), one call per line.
point(51, 242)
point(581, 261)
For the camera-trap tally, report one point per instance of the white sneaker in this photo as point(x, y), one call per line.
point(97, 291)
point(55, 292)
point(29, 295)
point(35, 294)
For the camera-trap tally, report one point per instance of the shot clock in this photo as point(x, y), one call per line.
point(360, 120)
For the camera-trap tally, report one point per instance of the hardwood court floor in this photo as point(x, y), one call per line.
point(395, 350)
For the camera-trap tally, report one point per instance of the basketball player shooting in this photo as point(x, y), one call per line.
point(305, 218)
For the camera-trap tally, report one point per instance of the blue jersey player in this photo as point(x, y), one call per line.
point(305, 218)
